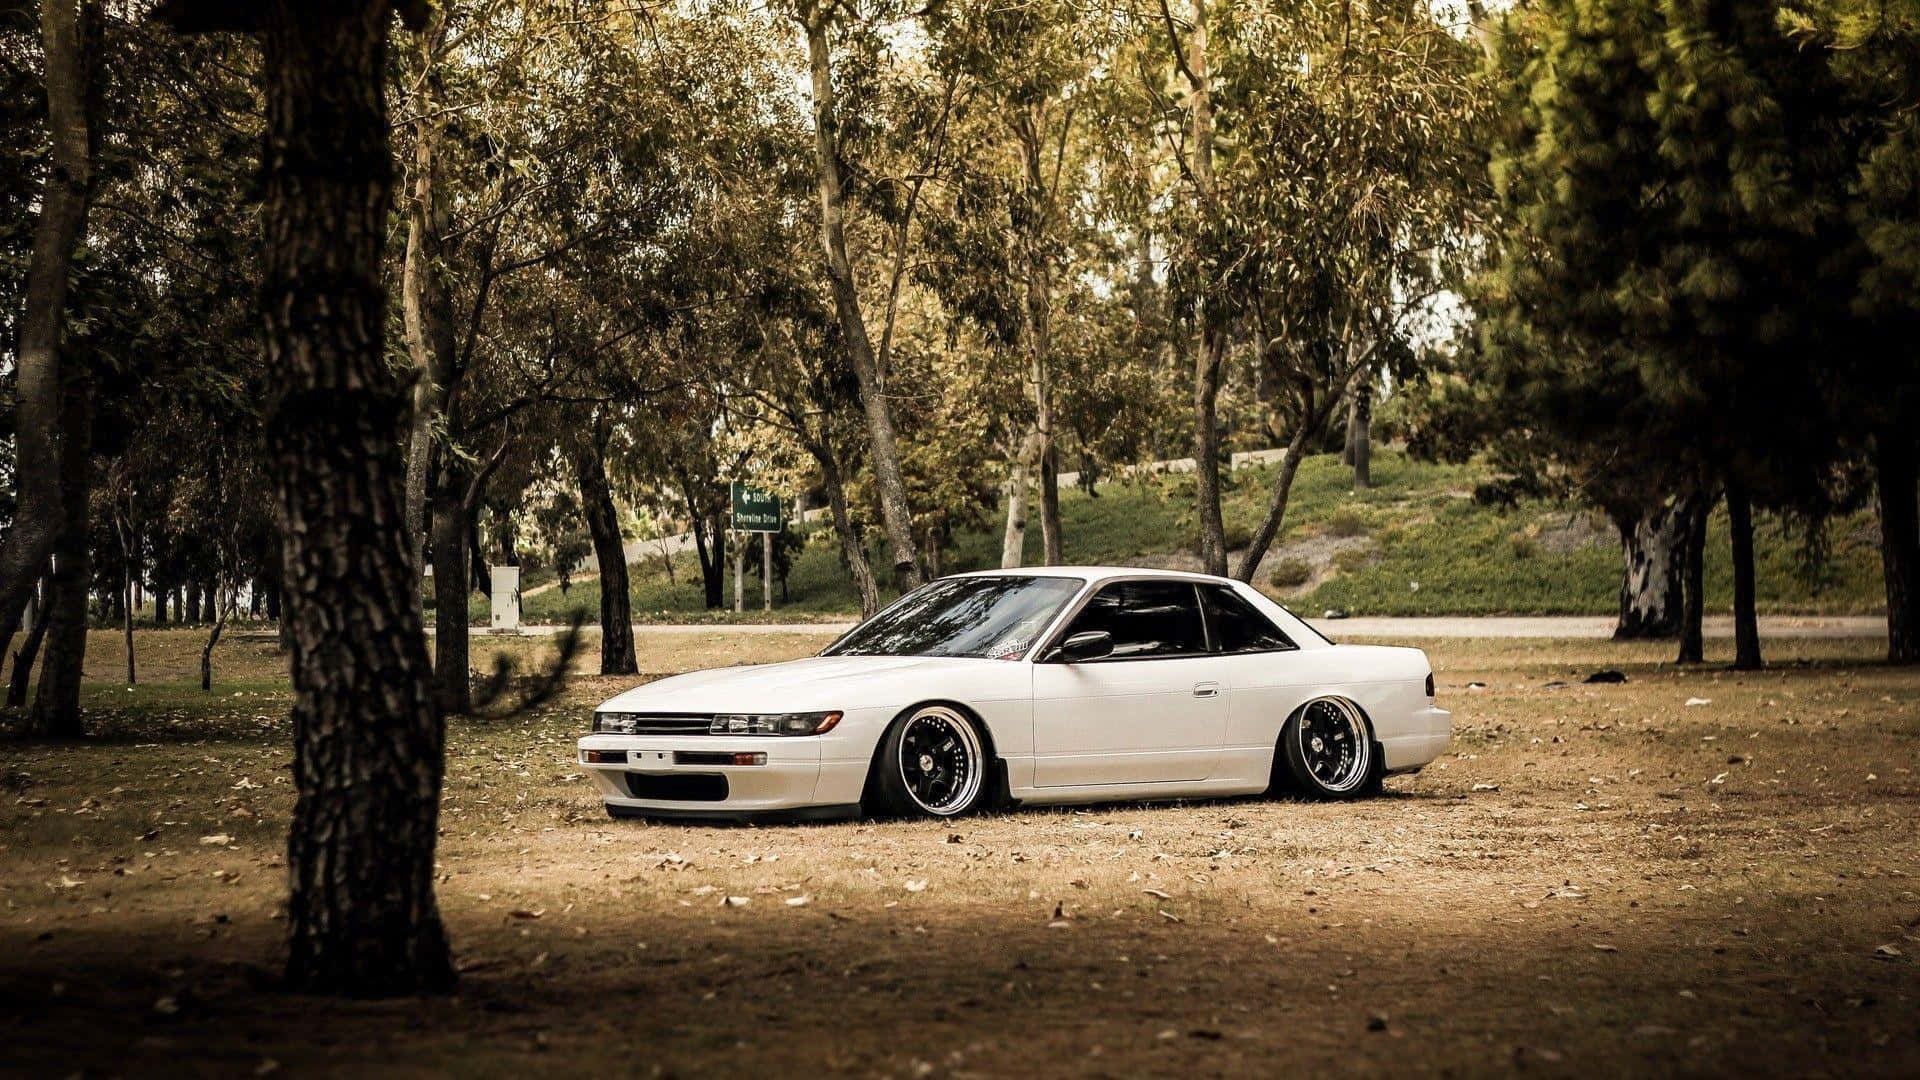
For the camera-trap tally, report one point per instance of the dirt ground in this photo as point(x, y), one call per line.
point(1599, 878)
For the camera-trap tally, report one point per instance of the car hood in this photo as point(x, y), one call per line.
point(815, 683)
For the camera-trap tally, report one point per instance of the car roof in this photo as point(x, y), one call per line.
point(1094, 573)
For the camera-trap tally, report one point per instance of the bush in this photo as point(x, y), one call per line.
point(1353, 558)
point(1524, 546)
point(1346, 522)
point(1238, 535)
point(1290, 573)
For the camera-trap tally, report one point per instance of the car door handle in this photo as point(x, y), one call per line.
point(1206, 689)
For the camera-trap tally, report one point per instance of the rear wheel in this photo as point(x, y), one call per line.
point(1329, 751)
point(931, 763)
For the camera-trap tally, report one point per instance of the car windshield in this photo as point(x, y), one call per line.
point(990, 617)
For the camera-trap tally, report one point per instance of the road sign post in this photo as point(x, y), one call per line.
point(754, 511)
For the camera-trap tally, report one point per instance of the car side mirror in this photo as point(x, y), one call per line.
point(1086, 645)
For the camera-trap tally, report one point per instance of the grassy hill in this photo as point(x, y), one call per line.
point(1417, 544)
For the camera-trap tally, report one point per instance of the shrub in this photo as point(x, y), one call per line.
point(1524, 546)
point(1346, 522)
point(1238, 535)
point(1290, 573)
point(1351, 559)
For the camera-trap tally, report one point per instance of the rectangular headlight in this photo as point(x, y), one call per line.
point(613, 723)
point(808, 723)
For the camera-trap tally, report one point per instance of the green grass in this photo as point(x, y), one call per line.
point(1418, 525)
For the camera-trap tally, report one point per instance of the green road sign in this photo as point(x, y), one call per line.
point(753, 510)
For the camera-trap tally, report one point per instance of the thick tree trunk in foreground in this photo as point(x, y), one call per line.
point(1896, 461)
point(68, 34)
point(850, 546)
point(1746, 623)
point(452, 674)
point(887, 476)
point(56, 701)
point(603, 523)
point(368, 743)
point(1653, 550)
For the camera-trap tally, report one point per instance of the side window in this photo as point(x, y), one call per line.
point(1146, 619)
point(1238, 626)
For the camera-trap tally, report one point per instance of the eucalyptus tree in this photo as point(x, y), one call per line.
point(46, 462)
point(1021, 201)
point(536, 134)
point(880, 136)
point(1322, 169)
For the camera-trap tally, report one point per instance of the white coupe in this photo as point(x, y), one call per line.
point(1006, 687)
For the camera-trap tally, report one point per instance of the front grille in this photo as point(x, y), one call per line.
point(678, 787)
point(671, 723)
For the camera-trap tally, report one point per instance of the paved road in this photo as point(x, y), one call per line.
point(1448, 626)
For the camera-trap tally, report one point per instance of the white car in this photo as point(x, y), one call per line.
point(1037, 686)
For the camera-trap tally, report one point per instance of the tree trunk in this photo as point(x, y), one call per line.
point(1746, 624)
point(1653, 549)
point(362, 918)
point(1050, 540)
point(1206, 451)
point(56, 701)
point(887, 475)
point(850, 545)
point(70, 35)
point(1693, 584)
point(1013, 543)
point(712, 559)
point(126, 624)
point(1269, 529)
point(1210, 360)
point(1359, 452)
point(1896, 464)
point(193, 604)
point(452, 679)
point(426, 303)
point(219, 614)
point(29, 650)
point(603, 523)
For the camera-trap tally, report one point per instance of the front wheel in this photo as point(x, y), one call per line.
point(931, 762)
point(1329, 751)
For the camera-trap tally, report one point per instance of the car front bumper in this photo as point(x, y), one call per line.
point(685, 776)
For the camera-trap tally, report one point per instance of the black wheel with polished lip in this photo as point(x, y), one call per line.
point(1329, 752)
point(931, 763)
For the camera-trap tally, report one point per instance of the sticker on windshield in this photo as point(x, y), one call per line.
point(1011, 649)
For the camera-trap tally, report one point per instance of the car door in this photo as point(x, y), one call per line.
point(1266, 675)
point(1154, 710)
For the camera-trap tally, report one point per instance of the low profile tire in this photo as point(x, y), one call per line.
point(1328, 752)
point(932, 762)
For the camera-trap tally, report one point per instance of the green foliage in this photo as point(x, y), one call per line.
point(1346, 522)
point(1290, 573)
point(1426, 528)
